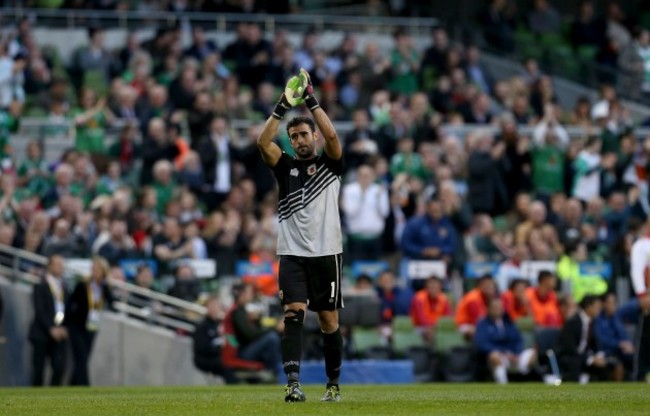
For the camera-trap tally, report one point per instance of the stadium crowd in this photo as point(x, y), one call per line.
point(181, 183)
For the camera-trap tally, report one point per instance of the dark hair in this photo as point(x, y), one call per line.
point(484, 278)
point(544, 275)
point(515, 282)
point(363, 277)
point(296, 121)
point(588, 300)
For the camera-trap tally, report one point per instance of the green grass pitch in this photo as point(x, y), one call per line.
point(419, 399)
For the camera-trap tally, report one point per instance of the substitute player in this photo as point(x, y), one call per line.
point(309, 235)
point(640, 270)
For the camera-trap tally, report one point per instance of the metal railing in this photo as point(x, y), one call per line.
point(133, 19)
point(163, 310)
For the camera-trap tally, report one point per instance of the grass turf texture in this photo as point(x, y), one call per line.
point(420, 399)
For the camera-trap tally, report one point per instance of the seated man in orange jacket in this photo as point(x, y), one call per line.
point(427, 306)
point(474, 305)
point(543, 301)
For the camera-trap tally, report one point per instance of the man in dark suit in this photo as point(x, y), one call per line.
point(47, 335)
point(577, 349)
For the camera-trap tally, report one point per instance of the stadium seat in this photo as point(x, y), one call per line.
point(404, 335)
point(447, 335)
point(526, 326)
point(364, 339)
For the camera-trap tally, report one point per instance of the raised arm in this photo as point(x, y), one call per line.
point(270, 151)
point(333, 147)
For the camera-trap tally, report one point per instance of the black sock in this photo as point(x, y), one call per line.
point(292, 347)
point(333, 350)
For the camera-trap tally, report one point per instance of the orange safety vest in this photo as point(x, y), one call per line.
point(545, 311)
point(425, 311)
point(471, 308)
point(512, 307)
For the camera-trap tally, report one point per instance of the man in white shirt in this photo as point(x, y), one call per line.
point(365, 205)
point(640, 261)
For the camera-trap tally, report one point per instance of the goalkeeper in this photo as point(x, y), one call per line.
point(309, 231)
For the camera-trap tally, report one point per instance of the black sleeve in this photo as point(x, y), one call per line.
point(76, 308)
point(335, 166)
point(283, 166)
point(108, 297)
point(41, 314)
point(202, 342)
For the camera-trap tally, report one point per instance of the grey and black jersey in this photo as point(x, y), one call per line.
point(308, 207)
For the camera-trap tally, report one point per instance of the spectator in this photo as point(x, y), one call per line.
point(548, 160)
point(360, 143)
point(543, 301)
point(171, 245)
point(514, 300)
point(536, 227)
point(375, 70)
point(487, 164)
point(186, 285)
point(498, 26)
point(90, 121)
point(487, 244)
point(63, 241)
point(163, 184)
point(365, 206)
point(427, 306)
point(634, 60)
point(477, 73)
point(586, 29)
point(405, 61)
point(47, 334)
point(395, 301)
point(251, 54)
point(144, 279)
point(430, 236)
point(156, 146)
point(218, 156)
point(613, 338)
point(83, 313)
point(406, 160)
point(543, 18)
point(255, 343)
point(587, 171)
point(518, 156)
point(568, 270)
point(208, 340)
point(474, 306)
point(201, 47)
point(93, 58)
point(500, 344)
point(116, 244)
point(434, 62)
point(578, 352)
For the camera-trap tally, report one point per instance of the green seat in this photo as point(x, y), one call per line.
point(527, 45)
point(447, 335)
point(405, 335)
point(365, 338)
point(526, 326)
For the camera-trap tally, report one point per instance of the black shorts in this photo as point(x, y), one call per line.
point(315, 281)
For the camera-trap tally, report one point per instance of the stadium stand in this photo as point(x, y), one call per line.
point(134, 139)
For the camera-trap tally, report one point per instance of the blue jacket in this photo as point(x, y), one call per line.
point(421, 232)
point(488, 337)
point(609, 332)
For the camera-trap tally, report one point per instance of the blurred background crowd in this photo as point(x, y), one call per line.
point(445, 159)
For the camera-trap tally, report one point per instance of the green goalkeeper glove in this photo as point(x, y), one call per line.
point(291, 97)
